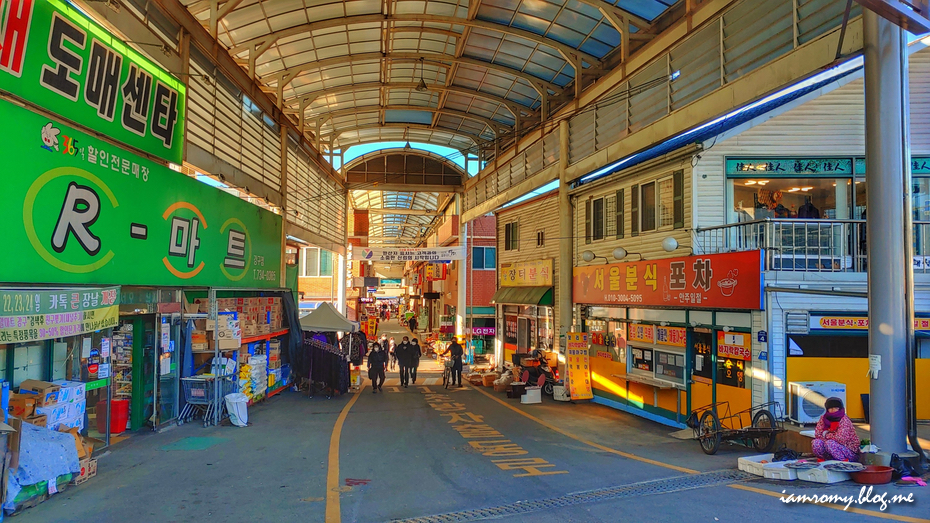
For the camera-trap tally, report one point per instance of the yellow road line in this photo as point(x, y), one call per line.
point(854, 510)
point(586, 442)
point(333, 507)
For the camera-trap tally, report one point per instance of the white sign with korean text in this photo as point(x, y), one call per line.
point(429, 254)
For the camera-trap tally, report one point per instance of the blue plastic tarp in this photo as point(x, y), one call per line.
point(44, 455)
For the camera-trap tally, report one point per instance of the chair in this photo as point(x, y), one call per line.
point(533, 394)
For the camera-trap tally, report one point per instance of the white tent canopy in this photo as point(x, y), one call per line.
point(326, 318)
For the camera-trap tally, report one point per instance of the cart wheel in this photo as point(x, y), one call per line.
point(710, 432)
point(548, 389)
point(763, 420)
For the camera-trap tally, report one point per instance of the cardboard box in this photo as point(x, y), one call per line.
point(76, 409)
point(22, 405)
point(78, 441)
point(249, 329)
point(67, 424)
point(38, 420)
point(224, 344)
point(88, 470)
point(264, 329)
point(55, 413)
point(200, 347)
point(71, 391)
point(47, 393)
point(199, 336)
point(14, 440)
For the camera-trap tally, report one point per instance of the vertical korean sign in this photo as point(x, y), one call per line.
point(94, 213)
point(578, 365)
point(55, 57)
point(28, 315)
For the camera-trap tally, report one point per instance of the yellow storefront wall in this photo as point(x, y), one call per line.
point(602, 373)
point(853, 373)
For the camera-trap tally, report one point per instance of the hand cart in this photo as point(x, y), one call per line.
point(755, 426)
point(200, 397)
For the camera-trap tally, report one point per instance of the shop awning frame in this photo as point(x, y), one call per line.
point(536, 296)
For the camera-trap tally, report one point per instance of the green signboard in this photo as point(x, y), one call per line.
point(52, 55)
point(809, 167)
point(94, 213)
point(33, 315)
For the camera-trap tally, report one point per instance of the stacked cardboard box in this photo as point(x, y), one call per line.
point(71, 396)
point(259, 375)
point(36, 402)
point(227, 328)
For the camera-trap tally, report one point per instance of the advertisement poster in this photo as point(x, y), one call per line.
point(536, 273)
point(27, 315)
point(430, 254)
point(94, 213)
point(57, 58)
point(734, 345)
point(578, 365)
point(712, 281)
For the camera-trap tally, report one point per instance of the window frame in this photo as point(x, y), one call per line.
point(540, 238)
point(483, 257)
point(512, 236)
point(598, 229)
point(319, 265)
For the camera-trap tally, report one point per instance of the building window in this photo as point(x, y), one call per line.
point(655, 205)
point(597, 219)
point(484, 258)
point(511, 236)
point(666, 202)
point(540, 238)
point(317, 262)
point(648, 203)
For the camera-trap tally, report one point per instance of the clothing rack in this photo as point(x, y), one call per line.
point(329, 368)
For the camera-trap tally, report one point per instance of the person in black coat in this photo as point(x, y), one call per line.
point(377, 362)
point(413, 356)
point(455, 350)
point(402, 351)
point(412, 325)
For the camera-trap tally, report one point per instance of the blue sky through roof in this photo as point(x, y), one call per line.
point(449, 153)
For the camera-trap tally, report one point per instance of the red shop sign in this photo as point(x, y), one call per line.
point(711, 281)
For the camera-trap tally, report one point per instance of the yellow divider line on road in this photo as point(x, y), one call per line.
point(586, 442)
point(854, 510)
point(333, 507)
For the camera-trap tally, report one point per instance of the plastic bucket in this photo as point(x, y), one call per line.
point(237, 404)
point(119, 413)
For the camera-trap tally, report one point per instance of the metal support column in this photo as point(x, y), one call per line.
point(566, 229)
point(887, 154)
point(461, 293)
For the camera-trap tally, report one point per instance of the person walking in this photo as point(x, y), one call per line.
point(414, 358)
point(412, 324)
point(377, 361)
point(402, 351)
point(455, 350)
point(392, 347)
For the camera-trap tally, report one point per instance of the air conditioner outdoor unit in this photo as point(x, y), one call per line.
point(805, 399)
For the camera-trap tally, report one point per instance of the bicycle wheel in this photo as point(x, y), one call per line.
point(709, 432)
point(763, 420)
point(445, 378)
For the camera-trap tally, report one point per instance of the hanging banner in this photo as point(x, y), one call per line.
point(52, 55)
point(711, 281)
point(28, 315)
point(87, 219)
point(578, 366)
point(537, 273)
point(429, 254)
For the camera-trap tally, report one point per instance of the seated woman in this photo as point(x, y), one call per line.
point(835, 437)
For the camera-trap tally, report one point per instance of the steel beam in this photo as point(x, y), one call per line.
point(512, 106)
point(565, 50)
point(492, 124)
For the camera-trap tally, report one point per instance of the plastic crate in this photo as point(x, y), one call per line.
point(779, 471)
point(753, 464)
point(822, 475)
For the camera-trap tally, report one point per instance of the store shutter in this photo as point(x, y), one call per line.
point(619, 213)
point(679, 206)
point(587, 221)
point(634, 211)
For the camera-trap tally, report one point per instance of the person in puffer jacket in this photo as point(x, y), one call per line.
point(835, 437)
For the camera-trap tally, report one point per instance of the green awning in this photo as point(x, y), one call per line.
point(523, 296)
